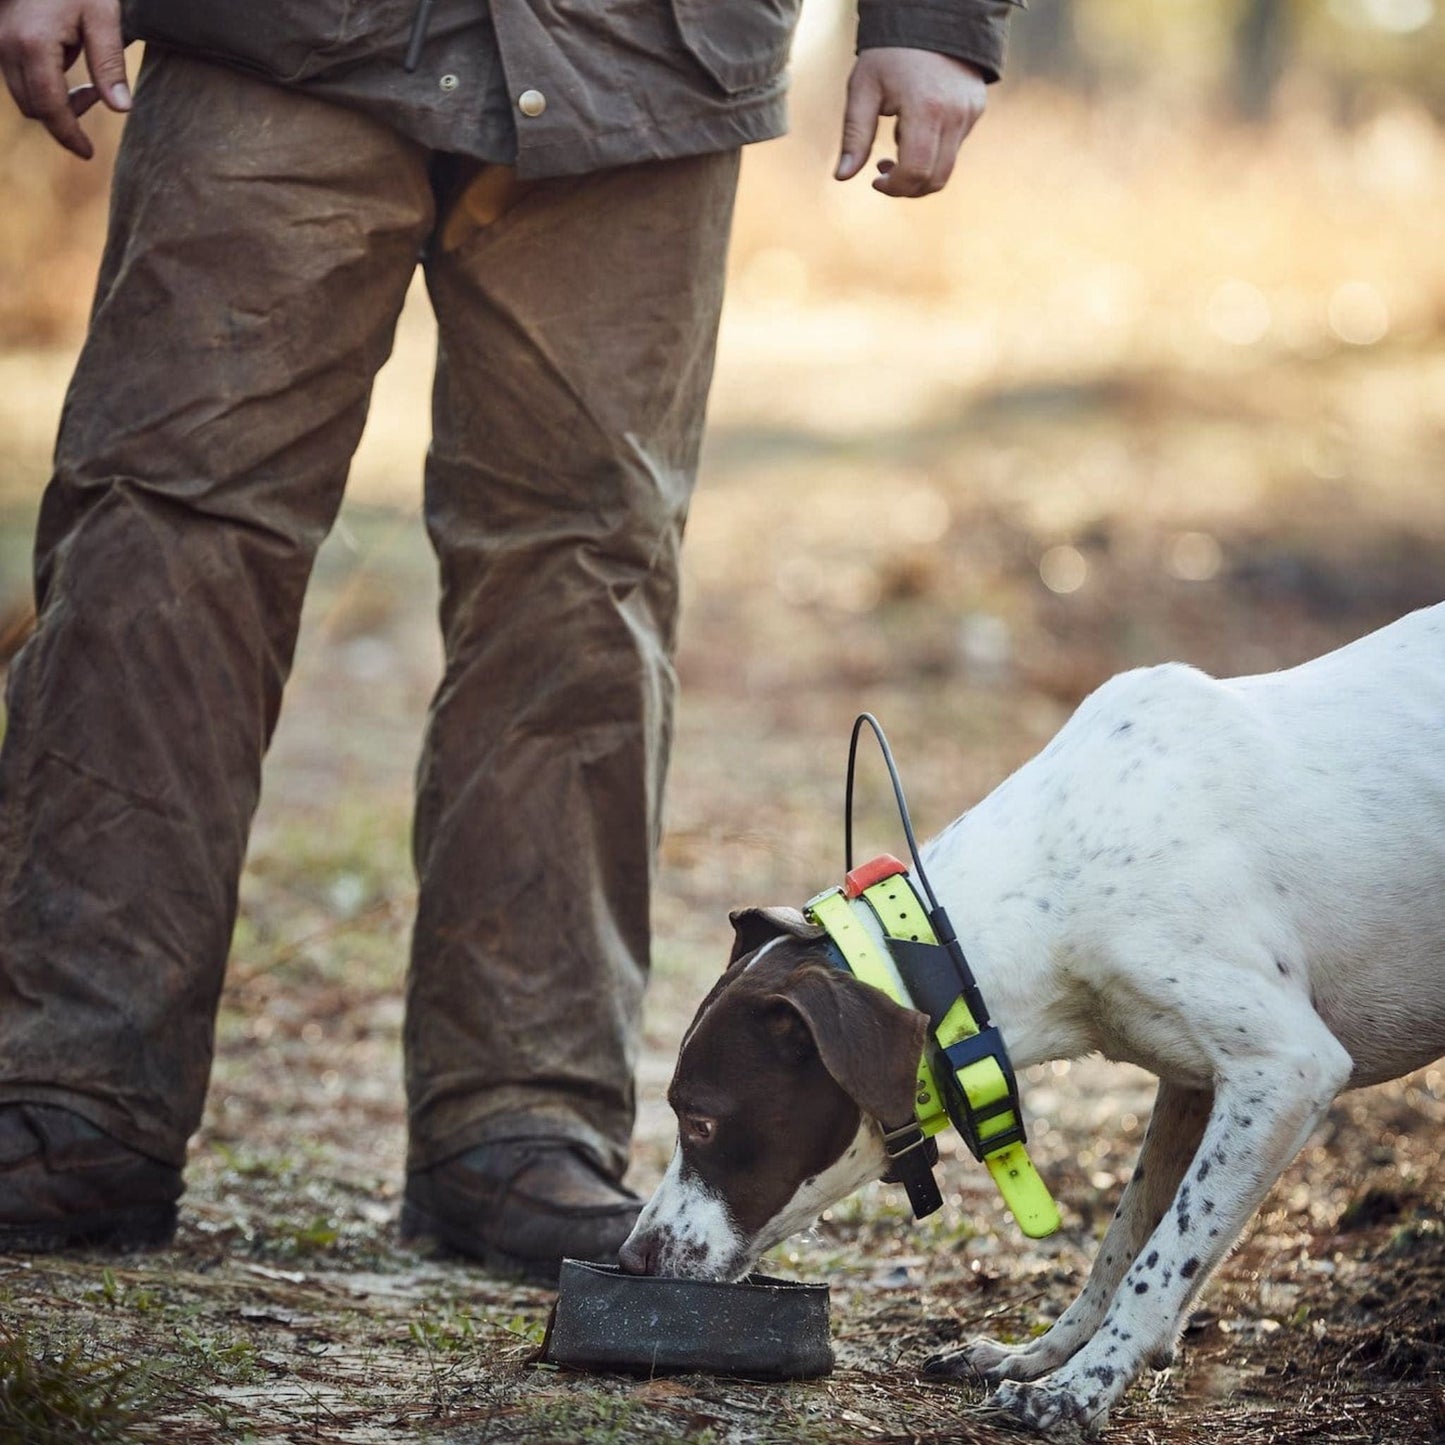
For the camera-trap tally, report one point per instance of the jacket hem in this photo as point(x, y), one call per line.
point(578, 155)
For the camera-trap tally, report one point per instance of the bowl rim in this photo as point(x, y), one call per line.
point(761, 1283)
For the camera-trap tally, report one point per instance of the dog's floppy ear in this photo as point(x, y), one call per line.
point(868, 1043)
point(753, 927)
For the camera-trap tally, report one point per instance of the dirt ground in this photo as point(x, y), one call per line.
point(965, 559)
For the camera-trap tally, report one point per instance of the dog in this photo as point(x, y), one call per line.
point(1238, 885)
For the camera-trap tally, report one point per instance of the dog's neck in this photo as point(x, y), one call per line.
point(1013, 934)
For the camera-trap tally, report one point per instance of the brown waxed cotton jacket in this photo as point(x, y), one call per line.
point(621, 81)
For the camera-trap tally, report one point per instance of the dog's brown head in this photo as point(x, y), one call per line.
point(783, 1079)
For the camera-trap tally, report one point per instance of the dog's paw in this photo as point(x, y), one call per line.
point(952, 1365)
point(989, 1358)
point(1049, 1409)
point(991, 1362)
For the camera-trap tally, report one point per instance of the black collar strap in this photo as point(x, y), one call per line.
point(912, 1154)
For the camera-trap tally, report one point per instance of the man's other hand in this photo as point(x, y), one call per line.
point(40, 40)
point(937, 100)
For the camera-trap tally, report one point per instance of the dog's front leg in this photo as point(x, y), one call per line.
point(1175, 1129)
point(1262, 1114)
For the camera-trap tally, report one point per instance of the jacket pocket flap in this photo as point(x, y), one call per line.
point(740, 43)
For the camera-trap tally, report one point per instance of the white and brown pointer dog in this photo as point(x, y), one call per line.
point(1239, 885)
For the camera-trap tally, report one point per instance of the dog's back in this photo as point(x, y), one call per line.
point(1292, 822)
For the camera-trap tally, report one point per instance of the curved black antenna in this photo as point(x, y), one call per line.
point(867, 717)
point(942, 925)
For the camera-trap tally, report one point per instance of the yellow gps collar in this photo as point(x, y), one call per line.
point(964, 1077)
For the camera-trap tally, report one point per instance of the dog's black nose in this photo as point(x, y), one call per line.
point(639, 1256)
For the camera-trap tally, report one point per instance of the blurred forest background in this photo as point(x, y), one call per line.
point(1160, 375)
point(1193, 262)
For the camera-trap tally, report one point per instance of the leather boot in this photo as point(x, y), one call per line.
point(64, 1183)
point(520, 1206)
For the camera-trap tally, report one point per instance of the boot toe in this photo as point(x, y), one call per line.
point(521, 1207)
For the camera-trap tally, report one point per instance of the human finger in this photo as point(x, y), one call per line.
point(860, 122)
point(950, 142)
point(917, 133)
point(82, 97)
point(105, 53)
point(47, 99)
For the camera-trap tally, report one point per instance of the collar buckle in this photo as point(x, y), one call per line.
point(912, 1155)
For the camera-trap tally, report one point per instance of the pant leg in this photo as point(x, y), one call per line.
point(260, 247)
point(577, 339)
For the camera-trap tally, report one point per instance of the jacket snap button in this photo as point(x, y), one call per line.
point(532, 102)
point(449, 83)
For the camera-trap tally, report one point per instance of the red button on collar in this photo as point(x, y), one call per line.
point(875, 870)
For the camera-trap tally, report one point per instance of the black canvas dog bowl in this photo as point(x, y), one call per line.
point(763, 1329)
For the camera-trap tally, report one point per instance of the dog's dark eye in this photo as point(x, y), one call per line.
point(697, 1128)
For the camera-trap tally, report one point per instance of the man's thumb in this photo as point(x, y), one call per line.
point(860, 124)
point(105, 53)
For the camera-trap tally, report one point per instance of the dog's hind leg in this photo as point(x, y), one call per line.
point(1170, 1142)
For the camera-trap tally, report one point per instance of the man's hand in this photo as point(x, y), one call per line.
point(40, 40)
point(937, 100)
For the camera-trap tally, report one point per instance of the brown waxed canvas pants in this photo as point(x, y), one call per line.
point(261, 245)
